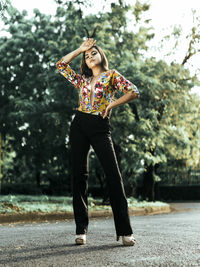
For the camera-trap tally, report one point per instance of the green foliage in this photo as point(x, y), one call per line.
point(37, 104)
point(25, 204)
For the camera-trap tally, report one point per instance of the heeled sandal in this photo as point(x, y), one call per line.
point(127, 240)
point(80, 239)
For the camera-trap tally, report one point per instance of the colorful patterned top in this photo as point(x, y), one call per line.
point(104, 89)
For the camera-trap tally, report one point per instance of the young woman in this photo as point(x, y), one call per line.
point(91, 126)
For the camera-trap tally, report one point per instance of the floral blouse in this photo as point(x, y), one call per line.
point(104, 89)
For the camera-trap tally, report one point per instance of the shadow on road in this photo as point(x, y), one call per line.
point(21, 255)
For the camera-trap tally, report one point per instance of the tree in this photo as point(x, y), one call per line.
point(37, 104)
point(35, 108)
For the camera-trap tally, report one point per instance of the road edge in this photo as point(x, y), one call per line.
point(62, 216)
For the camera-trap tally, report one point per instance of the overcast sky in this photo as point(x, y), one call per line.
point(163, 13)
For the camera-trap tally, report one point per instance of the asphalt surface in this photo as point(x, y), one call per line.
point(162, 240)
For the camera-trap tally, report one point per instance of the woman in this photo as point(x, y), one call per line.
point(91, 126)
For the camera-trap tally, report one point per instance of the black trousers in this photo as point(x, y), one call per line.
point(85, 130)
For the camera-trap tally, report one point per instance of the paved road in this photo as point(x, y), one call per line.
point(162, 240)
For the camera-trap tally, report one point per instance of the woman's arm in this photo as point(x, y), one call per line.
point(87, 44)
point(69, 57)
point(120, 101)
point(119, 82)
point(65, 69)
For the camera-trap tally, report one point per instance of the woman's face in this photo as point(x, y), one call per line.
point(92, 57)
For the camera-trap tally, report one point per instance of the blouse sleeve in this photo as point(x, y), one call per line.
point(120, 83)
point(65, 70)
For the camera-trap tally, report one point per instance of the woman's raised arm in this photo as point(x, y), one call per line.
point(86, 45)
point(64, 68)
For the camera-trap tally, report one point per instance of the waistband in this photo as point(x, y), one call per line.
point(89, 115)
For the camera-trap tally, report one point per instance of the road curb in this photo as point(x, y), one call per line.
point(61, 216)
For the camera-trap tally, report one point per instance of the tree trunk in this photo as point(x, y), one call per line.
point(102, 178)
point(38, 179)
point(103, 185)
point(118, 152)
point(148, 184)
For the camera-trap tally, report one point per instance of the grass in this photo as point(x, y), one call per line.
point(49, 204)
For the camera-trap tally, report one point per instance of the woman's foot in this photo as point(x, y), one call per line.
point(127, 240)
point(80, 239)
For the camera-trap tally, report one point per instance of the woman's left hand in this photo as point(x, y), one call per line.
point(107, 112)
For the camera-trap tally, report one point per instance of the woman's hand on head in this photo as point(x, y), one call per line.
point(87, 44)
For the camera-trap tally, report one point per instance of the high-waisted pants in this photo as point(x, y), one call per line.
point(85, 130)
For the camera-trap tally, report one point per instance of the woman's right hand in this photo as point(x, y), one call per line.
point(87, 44)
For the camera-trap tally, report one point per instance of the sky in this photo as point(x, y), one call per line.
point(164, 14)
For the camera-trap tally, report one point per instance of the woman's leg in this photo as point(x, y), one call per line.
point(103, 147)
point(79, 152)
